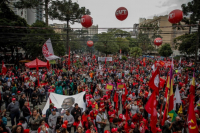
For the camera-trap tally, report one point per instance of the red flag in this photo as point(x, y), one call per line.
point(186, 79)
point(50, 101)
point(4, 69)
point(162, 63)
point(192, 123)
point(48, 65)
point(150, 107)
point(125, 93)
point(154, 81)
point(69, 58)
point(162, 82)
point(94, 57)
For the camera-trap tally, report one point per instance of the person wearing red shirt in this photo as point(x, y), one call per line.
point(102, 105)
point(93, 113)
point(111, 114)
point(137, 117)
point(78, 122)
point(92, 128)
point(87, 96)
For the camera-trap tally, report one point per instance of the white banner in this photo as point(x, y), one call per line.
point(63, 102)
point(103, 58)
point(47, 51)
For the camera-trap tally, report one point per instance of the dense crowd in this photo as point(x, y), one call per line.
point(105, 109)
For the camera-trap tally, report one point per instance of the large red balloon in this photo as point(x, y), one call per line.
point(158, 41)
point(175, 16)
point(121, 13)
point(90, 43)
point(86, 21)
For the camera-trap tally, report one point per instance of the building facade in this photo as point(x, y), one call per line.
point(166, 30)
point(30, 15)
point(92, 30)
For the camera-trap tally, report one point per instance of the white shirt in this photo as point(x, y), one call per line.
point(98, 118)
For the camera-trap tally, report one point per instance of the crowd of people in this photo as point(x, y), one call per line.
point(105, 109)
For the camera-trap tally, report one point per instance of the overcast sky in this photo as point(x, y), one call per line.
point(103, 11)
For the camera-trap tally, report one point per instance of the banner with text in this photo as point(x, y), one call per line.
point(103, 58)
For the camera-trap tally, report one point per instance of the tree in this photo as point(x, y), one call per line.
point(135, 52)
point(67, 11)
point(123, 44)
point(39, 37)
point(186, 44)
point(10, 39)
point(106, 43)
point(165, 50)
point(192, 8)
point(144, 41)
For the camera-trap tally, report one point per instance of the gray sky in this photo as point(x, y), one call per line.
point(103, 11)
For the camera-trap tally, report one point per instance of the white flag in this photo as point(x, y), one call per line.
point(154, 68)
point(47, 51)
point(177, 97)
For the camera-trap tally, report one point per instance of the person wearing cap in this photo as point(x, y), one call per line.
point(168, 125)
point(101, 121)
point(102, 104)
point(13, 96)
point(13, 108)
point(93, 113)
point(114, 130)
point(52, 120)
point(70, 119)
point(111, 114)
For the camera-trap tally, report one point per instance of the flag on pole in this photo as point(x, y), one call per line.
point(154, 81)
point(192, 123)
point(177, 97)
point(3, 69)
point(173, 115)
point(171, 93)
point(151, 109)
point(47, 50)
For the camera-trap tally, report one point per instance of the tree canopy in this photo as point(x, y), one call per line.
point(165, 50)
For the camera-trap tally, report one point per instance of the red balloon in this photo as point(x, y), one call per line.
point(86, 21)
point(121, 13)
point(175, 16)
point(158, 41)
point(90, 43)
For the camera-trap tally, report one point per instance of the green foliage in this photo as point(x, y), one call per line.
point(144, 41)
point(123, 44)
point(106, 43)
point(136, 52)
point(132, 42)
point(186, 43)
point(165, 50)
point(10, 39)
point(67, 11)
point(119, 33)
point(124, 58)
point(34, 49)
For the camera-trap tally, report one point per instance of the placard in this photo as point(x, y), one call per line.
point(120, 86)
point(109, 87)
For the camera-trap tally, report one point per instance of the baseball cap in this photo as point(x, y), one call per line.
point(101, 99)
point(93, 106)
point(114, 130)
point(54, 109)
point(100, 109)
point(13, 99)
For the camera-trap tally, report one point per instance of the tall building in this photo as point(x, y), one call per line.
point(20, 12)
point(166, 30)
point(30, 15)
point(61, 26)
point(92, 30)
